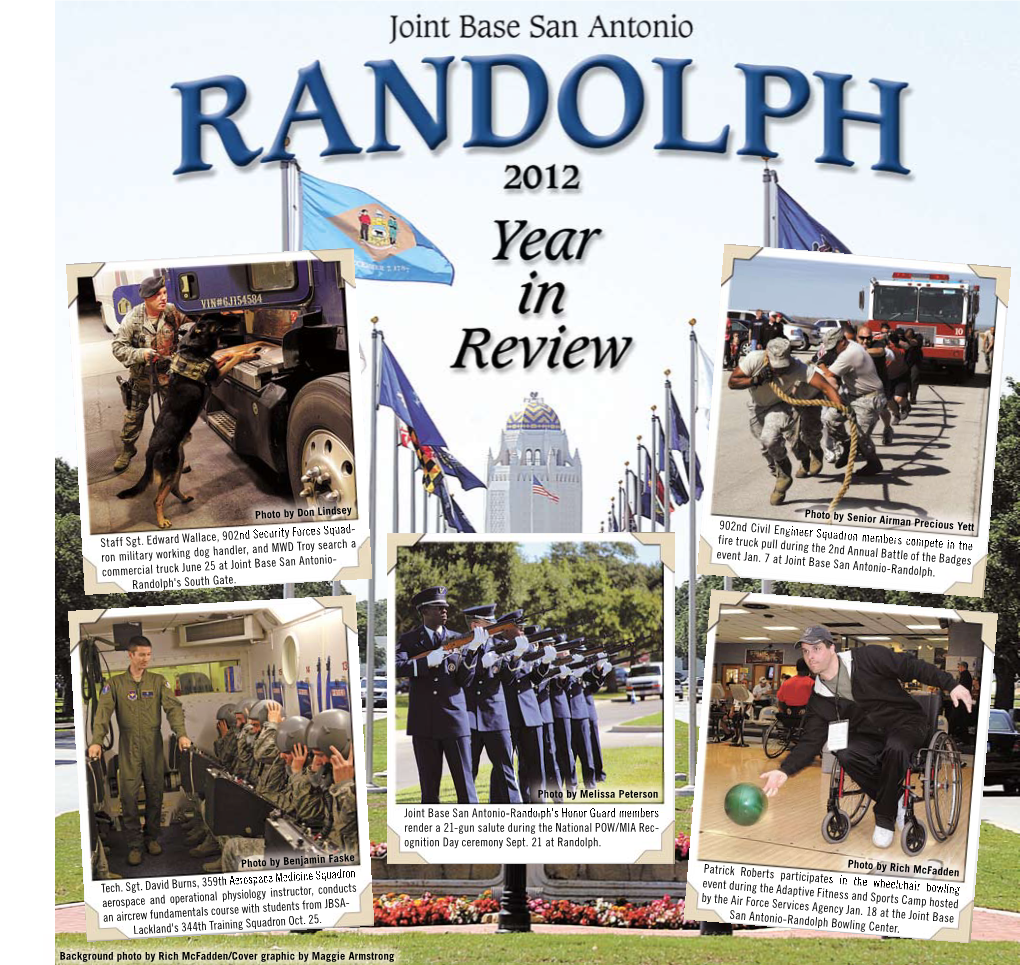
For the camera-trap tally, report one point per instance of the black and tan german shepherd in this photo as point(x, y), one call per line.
point(184, 400)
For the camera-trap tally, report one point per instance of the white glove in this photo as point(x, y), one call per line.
point(478, 641)
point(564, 672)
point(604, 665)
point(488, 659)
point(436, 657)
point(548, 654)
point(523, 646)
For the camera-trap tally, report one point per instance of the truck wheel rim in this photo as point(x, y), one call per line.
point(333, 484)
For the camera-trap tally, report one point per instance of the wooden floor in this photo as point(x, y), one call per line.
point(789, 834)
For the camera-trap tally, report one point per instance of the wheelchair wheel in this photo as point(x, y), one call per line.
point(854, 800)
point(775, 739)
point(835, 826)
point(943, 786)
point(913, 838)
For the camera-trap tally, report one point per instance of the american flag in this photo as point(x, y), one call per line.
point(537, 489)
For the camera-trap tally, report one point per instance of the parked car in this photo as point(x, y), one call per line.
point(645, 680)
point(816, 331)
point(1002, 763)
point(379, 692)
point(797, 336)
point(678, 686)
point(621, 677)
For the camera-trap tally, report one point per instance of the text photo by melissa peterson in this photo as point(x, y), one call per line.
point(854, 419)
point(217, 432)
point(842, 761)
point(218, 776)
point(530, 718)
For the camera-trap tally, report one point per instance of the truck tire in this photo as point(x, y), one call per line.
point(320, 445)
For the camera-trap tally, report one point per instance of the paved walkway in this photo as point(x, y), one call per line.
point(989, 926)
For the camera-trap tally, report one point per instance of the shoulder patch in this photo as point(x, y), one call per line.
point(166, 683)
point(105, 690)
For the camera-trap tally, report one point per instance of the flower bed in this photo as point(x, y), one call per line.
point(397, 909)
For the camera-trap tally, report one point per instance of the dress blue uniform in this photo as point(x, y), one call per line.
point(561, 731)
point(580, 733)
point(490, 725)
point(526, 727)
point(438, 721)
point(553, 783)
point(593, 681)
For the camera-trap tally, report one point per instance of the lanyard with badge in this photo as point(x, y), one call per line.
point(839, 729)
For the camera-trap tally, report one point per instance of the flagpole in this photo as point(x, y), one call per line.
point(288, 588)
point(438, 506)
point(414, 503)
point(396, 478)
point(377, 335)
point(638, 483)
point(668, 454)
point(692, 562)
point(766, 178)
point(653, 474)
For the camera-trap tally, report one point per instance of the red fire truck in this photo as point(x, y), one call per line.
point(943, 312)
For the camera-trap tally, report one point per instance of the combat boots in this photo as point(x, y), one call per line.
point(871, 468)
point(784, 480)
point(134, 857)
point(206, 849)
point(810, 465)
point(124, 459)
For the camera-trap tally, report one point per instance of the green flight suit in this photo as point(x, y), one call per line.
point(343, 833)
point(140, 747)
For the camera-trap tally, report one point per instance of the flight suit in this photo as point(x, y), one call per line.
point(138, 333)
point(343, 832)
point(140, 747)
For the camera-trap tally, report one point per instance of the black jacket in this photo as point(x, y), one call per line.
point(879, 701)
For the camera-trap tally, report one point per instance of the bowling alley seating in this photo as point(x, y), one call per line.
point(935, 776)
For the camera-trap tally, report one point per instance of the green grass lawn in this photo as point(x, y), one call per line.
point(998, 880)
point(652, 720)
point(625, 948)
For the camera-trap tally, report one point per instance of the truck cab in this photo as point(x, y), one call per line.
point(290, 408)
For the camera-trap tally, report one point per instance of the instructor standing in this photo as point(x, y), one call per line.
point(138, 696)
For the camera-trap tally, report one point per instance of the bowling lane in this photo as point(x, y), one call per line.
point(789, 834)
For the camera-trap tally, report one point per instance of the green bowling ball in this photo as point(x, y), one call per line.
point(745, 804)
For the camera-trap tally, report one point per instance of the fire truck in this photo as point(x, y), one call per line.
point(941, 311)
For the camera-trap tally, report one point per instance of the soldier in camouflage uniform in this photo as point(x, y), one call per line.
point(301, 797)
point(138, 697)
point(772, 420)
point(330, 734)
point(148, 334)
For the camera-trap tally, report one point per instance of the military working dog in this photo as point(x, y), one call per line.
point(193, 369)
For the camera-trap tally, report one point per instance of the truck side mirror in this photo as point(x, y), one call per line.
point(977, 303)
point(860, 299)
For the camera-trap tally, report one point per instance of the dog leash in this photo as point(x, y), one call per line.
point(155, 400)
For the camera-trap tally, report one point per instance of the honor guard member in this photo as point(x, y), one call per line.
point(560, 700)
point(580, 731)
point(859, 701)
point(553, 784)
point(525, 717)
point(438, 722)
point(772, 419)
point(490, 726)
point(144, 343)
point(139, 696)
point(850, 363)
point(593, 681)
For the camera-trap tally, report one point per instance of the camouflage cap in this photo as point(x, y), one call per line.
point(832, 338)
point(778, 352)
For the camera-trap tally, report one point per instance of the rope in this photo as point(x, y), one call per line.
point(848, 474)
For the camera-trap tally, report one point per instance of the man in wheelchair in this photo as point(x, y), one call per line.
point(874, 727)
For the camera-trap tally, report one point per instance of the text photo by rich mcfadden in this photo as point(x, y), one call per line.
point(216, 736)
point(518, 667)
point(215, 395)
point(842, 737)
point(858, 386)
